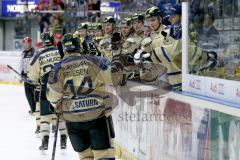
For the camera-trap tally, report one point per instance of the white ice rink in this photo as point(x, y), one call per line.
point(17, 138)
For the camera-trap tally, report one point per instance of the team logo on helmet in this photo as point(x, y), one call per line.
point(70, 43)
point(109, 19)
point(153, 11)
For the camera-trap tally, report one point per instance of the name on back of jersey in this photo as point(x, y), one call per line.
point(49, 58)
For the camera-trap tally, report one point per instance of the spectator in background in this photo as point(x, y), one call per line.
point(46, 26)
point(19, 29)
point(57, 26)
point(43, 18)
point(209, 29)
point(53, 5)
point(210, 34)
point(42, 5)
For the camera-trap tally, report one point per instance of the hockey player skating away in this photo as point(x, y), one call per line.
point(27, 54)
point(77, 90)
point(41, 65)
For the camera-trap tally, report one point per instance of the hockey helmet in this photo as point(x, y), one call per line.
point(47, 37)
point(82, 26)
point(98, 26)
point(137, 16)
point(126, 22)
point(153, 11)
point(70, 43)
point(109, 19)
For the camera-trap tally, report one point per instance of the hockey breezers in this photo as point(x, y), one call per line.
point(22, 78)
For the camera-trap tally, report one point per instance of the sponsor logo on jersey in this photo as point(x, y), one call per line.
point(86, 103)
point(49, 58)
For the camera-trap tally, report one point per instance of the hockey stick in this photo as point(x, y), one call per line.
point(60, 49)
point(22, 78)
point(55, 139)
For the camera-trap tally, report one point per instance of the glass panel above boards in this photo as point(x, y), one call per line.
point(214, 38)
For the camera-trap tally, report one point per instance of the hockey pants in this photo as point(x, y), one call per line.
point(92, 140)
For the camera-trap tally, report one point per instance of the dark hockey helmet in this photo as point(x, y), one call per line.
point(82, 26)
point(90, 26)
point(98, 26)
point(109, 19)
point(47, 38)
point(138, 16)
point(153, 11)
point(126, 22)
point(70, 43)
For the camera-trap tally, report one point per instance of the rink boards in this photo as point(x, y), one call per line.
point(12, 58)
point(175, 126)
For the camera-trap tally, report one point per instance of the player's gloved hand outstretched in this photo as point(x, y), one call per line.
point(141, 56)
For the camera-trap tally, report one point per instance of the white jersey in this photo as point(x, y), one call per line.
point(26, 58)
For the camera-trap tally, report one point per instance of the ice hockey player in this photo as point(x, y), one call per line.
point(77, 90)
point(163, 48)
point(126, 28)
point(83, 33)
point(138, 26)
point(41, 65)
point(27, 54)
point(105, 44)
point(98, 33)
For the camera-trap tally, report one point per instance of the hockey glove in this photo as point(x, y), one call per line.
point(117, 63)
point(141, 56)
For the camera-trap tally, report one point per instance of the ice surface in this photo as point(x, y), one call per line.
point(17, 138)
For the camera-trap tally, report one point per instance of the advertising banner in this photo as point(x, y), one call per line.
point(10, 8)
point(13, 59)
